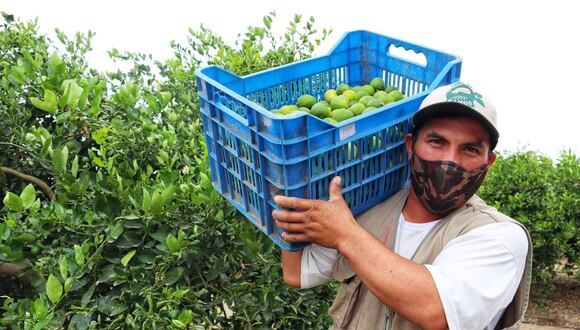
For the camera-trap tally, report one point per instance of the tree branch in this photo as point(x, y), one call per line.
point(41, 184)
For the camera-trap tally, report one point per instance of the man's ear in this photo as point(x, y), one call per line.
point(409, 145)
point(492, 159)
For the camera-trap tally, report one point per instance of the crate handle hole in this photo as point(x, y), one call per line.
point(407, 55)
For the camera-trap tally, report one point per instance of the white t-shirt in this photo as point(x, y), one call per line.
point(476, 274)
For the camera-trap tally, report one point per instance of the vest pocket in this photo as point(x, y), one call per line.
point(344, 304)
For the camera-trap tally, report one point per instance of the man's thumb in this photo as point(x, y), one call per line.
point(334, 189)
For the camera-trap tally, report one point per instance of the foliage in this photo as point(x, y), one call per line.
point(136, 236)
point(545, 197)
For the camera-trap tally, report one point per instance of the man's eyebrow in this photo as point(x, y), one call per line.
point(432, 134)
point(475, 144)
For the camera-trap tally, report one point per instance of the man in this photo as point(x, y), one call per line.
point(432, 256)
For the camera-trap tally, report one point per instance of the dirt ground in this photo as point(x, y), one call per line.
point(563, 312)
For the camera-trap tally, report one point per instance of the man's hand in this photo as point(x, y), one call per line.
point(326, 223)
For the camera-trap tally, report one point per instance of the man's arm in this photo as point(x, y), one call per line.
point(404, 286)
point(291, 267)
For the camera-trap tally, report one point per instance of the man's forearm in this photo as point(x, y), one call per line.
point(291, 267)
point(404, 286)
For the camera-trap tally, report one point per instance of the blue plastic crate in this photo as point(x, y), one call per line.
point(255, 155)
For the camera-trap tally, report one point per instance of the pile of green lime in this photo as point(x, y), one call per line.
point(345, 102)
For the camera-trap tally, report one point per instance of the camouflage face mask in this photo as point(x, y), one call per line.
point(443, 186)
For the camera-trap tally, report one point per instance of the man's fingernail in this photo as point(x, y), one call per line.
point(276, 199)
point(338, 180)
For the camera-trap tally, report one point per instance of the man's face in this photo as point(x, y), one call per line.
point(462, 140)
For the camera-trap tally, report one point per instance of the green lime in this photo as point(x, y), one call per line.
point(365, 99)
point(357, 108)
point(384, 96)
point(356, 88)
point(341, 114)
point(377, 83)
point(320, 110)
point(306, 101)
point(329, 94)
point(396, 94)
point(350, 94)
point(370, 89)
point(369, 109)
point(389, 89)
point(360, 94)
point(342, 88)
point(330, 120)
point(376, 103)
point(303, 109)
point(339, 102)
point(288, 109)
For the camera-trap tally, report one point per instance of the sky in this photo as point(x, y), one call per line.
point(520, 54)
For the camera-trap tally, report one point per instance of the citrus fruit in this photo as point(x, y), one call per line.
point(376, 103)
point(350, 94)
point(365, 99)
point(330, 120)
point(303, 109)
point(389, 89)
point(377, 83)
point(277, 112)
point(356, 88)
point(287, 109)
point(384, 96)
point(342, 88)
point(370, 89)
point(350, 103)
point(369, 109)
point(360, 94)
point(320, 110)
point(306, 101)
point(341, 114)
point(396, 94)
point(357, 108)
point(339, 102)
point(329, 94)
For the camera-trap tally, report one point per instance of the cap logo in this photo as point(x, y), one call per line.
point(464, 94)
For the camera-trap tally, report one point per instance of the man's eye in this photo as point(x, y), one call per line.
point(435, 141)
point(472, 150)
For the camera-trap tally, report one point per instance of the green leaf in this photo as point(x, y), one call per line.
point(100, 135)
point(74, 168)
point(146, 200)
point(63, 266)
point(171, 243)
point(156, 202)
point(55, 66)
point(38, 308)
point(88, 295)
point(13, 202)
point(173, 275)
point(125, 260)
point(179, 324)
point(42, 323)
point(53, 288)
point(28, 196)
point(59, 159)
point(186, 316)
point(68, 284)
point(73, 92)
point(79, 255)
point(167, 194)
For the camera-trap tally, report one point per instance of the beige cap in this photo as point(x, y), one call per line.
point(455, 100)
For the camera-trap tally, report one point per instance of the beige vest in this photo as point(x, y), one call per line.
point(355, 307)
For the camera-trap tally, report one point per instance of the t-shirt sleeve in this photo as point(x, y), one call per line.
point(477, 274)
point(316, 265)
